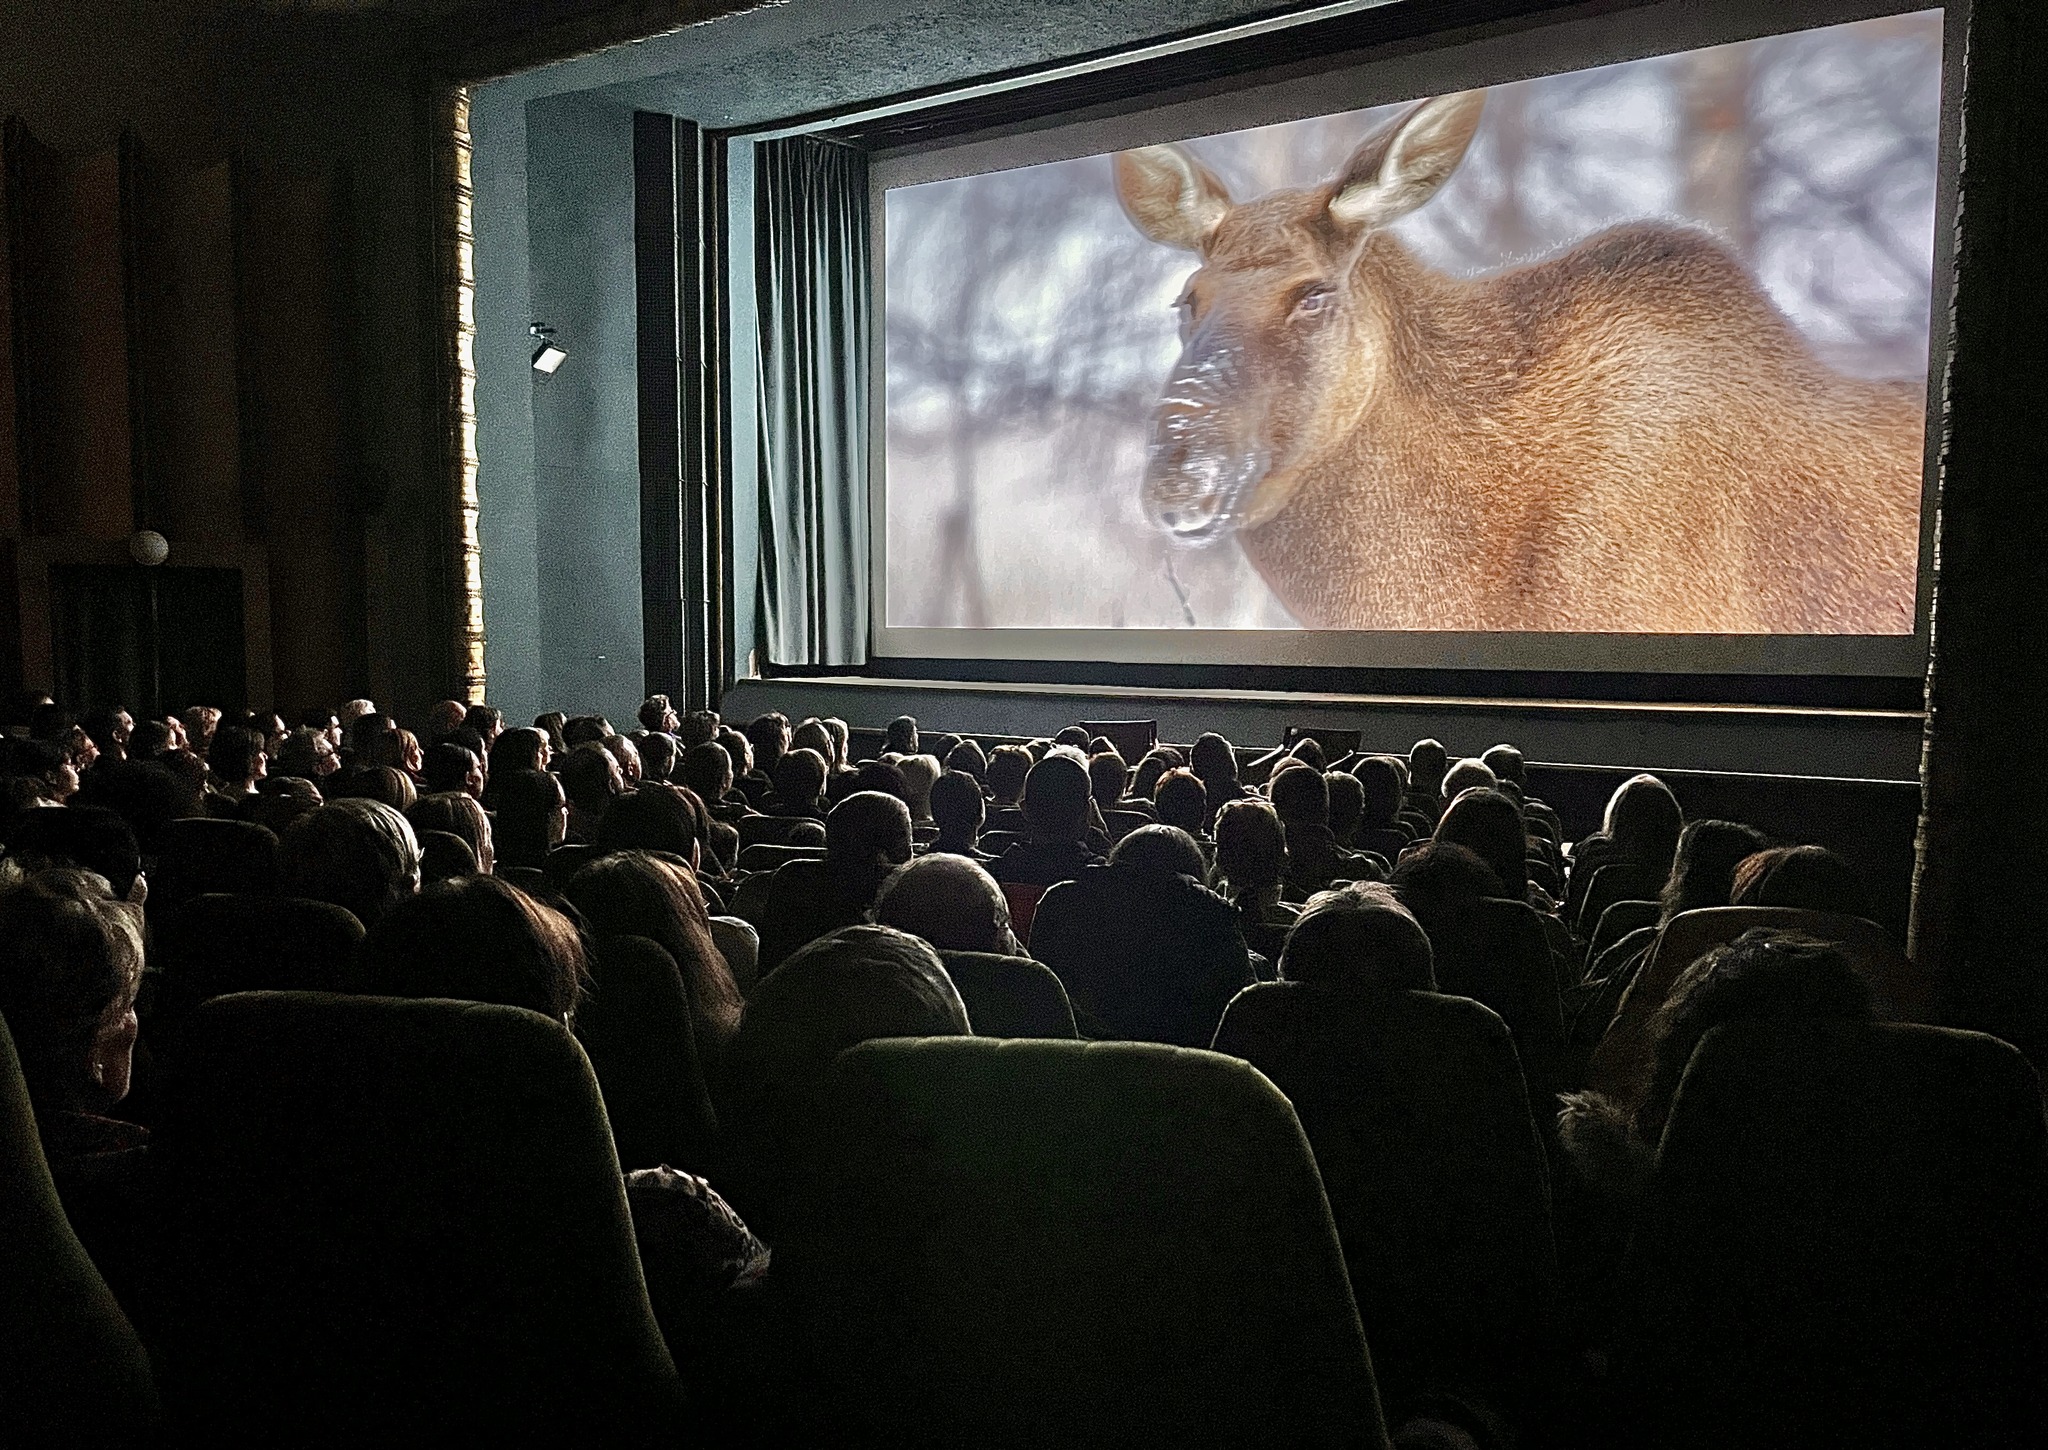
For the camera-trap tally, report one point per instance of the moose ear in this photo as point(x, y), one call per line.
point(1403, 166)
point(1174, 199)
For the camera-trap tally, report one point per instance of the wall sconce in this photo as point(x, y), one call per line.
point(547, 353)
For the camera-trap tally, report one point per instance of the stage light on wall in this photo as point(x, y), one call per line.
point(148, 547)
point(547, 353)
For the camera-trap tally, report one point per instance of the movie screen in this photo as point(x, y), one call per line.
point(1640, 348)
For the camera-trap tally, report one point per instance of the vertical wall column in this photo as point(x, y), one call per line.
point(1980, 915)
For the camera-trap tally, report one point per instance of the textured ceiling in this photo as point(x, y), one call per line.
point(802, 56)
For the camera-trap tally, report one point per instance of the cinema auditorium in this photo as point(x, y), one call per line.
point(1216, 724)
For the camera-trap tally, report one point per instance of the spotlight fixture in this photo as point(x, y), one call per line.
point(547, 353)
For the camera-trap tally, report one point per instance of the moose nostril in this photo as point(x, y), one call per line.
point(1171, 518)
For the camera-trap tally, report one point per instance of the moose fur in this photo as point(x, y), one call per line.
point(1627, 436)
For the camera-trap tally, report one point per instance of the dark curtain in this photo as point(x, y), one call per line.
point(811, 289)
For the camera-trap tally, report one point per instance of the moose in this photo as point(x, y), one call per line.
point(1626, 436)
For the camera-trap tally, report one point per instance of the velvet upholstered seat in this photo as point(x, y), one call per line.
point(1842, 1245)
point(1074, 1244)
point(72, 1371)
point(398, 1222)
point(1010, 996)
point(217, 944)
point(1421, 1126)
point(635, 1024)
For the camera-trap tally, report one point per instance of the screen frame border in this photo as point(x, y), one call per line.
point(1295, 81)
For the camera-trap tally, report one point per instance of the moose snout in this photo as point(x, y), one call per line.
point(1199, 469)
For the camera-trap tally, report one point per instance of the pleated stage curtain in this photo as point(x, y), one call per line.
point(811, 250)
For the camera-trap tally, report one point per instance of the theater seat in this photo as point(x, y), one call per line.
point(1617, 881)
point(1010, 996)
point(1617, 922)
point(637, 1028)
point(72, 1371)
point(1073, 1244)
point(1621, 1062)
point(1415, 1106)
point(199, 856)
point(767, 858)
point(1022, 899)
point(1497, 954)
point(398, 1222)
point(217, 944)
point(565, 861)
point(780, 831)
point(1842, 1246)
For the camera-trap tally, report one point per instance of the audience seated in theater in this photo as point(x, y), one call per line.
point(658, 755)
point(87, 838)
point(1074, 737)
point(1347, 809)
point(919, 773)
point(1301, 798)
point(1251, 864)
point(1146, 952)
point(1183, 802)
point(385, 784)
point(1055, 808)
point(356, 854)
point(586, 730)
point(531, 817)
point(866, 837)
point(592, 779)
point(200, 722)
point(647, 894)
point(740, 751)
point(479, 939)
point(958, 811)
point(487, 722)
point(71, 959)
point(1489, 825)
point(845, 988)
point(451, 767)
point(456, 813)
point(707, 769)
point(237, 762)
point(307, 754)
point(278, 801)
point(884, 776)
point(698, 727)
point(443, 857)
point(968, 756)
point(527, 748)
point(554, 724)
point(1640, 827)
point(666, 818)
point(109, 729)
point(949, 901)
point(769, 736)
point(1008, 766)
point(627, 755)
point(1359, 937)
point(1428, 762)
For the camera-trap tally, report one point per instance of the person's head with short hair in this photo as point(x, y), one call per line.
point(592, 777)
point(885, 776)
point(1181, 800)
point(532, 812)
point(1506, 763)
point(448, 767)
point(1151, 769)
point(361, 739)
point(1703, 871)
point(527, 748)
point(950, 902)
point(738, 748)
point(1300, 795)
point(70, 968)
point(487, 721)
point(769, 735)
point(958, 810)
point(1468, 774)
point(1347, 803)
point(1804, 878)
point(868, 831)
point(1443, 876)
point(200, 721)
point(699, 727)
point(586, 730)
point(900, 738)
point(1107, 778)
point(1761, 976)
point(278, 801)
point(969, 758)
point(1427, 763)
point(842, 740)
point(89, 838)
point(799, 780)
point(360, 855)
point(655, 818)
point(477, 939)
point(456, 813)
point(48, 766)
point(443, 857)
point(654, 895)
point(354, 710)
point(148, 740)
point(444, 716)
point(1166, 849)
point(631, 769)
point(110, 727)
point(1490, 825)
point(812, 735)
point(1309, 751)
point(708, 770)
point(1212, 760)
point(1251, 848)
point(385, 784)
point(1359, 936)
point(1643, 820)
point(659, 755)
point(189, 771)
point(1056, 799)
point(920, 773)
point(657, 713)
point(307, 754)
point(323, 721)
point(1008, 765)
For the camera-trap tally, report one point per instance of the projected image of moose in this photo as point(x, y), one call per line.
point(1626, 435)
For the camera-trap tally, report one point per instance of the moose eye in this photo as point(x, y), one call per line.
point(1315, 300)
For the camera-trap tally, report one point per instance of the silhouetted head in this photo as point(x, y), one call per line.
point(652, 895)
point(707, 770)
point(1107, 776)
point(1251, 849)
point(532, 814)
point(958, 809)
point(1703, 872)
point(1151, 770)
point(1301, 796)
point(452, 767)
point(1181, 801)
point(1468, 774)
point(1166, 849)
point(657, 713)
point(1279, 318)
point(1643, 820)
point(1490, 825)
point(901, 736)
point(1442, 876)
point(70, 966)
point(968, 756)
point(1212, 760)
point(769, 735)
point(1347, 802)
point(1505, 761)
point(1427, 763)
point(867, 830)
point(919, 773)
point(800, 779)
point(1806, 878)
point(950, 902)
point(656, 817)
point(456, 813)
point(481, 940)
point(1007, 768)
point(1056, 799)
point(357, 854)
point(527, 748)
point(1359, 936)
point(1381, 781)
